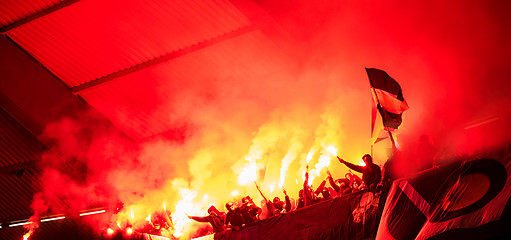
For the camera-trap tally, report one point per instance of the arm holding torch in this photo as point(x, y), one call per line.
point(332, 182)
point(307, 192)
point(288, 200)
point(357, 168)
point(306, 181)
point(269, 204)
point(262, 194)
point(199, 219)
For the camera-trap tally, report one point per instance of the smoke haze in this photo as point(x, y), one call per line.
point(450, 59)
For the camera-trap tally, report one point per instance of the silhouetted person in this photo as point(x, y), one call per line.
point(269, 204)
point(249, 211)
point(215, 218)
point(354, 183)
point(371, 173)
point(339, 185)
point(281, 206)
point(307, 193)
point(300, 202)
point(233, 219)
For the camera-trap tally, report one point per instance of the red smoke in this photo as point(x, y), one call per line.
point(449, 57)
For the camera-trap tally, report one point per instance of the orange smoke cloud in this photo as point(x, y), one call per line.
point(318, 99)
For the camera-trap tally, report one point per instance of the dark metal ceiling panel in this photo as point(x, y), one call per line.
point(16, 193)
point(147, 102)
point(95, 38)
point(8, 233)
point(17, 145)
point(19, 176)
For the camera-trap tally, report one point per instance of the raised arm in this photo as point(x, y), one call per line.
point(288, 201)
point(307, 194)
point(354, 167)
point(199, 219)
point(320, 188)
point(259, 189)
point(332, 182)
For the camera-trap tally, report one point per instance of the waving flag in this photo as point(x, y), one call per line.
point(388, 100)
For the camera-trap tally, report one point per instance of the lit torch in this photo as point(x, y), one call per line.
point(183, 207)
point(332, 150)
point(248, 174)
point(323, 162)
point(310, 155)
point(362, 163)
point(31, 225)
point(132, 215)
point(27, 235)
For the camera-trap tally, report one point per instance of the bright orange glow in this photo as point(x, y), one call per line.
point(332, 150)
point(397, 144)
point(248, 174)
point(310, 155)
point(290, 156)
point(129, 231)
point(132, 215)
point(235, 193)
point(184, 207)
point(323, 162)
point(362, 163)
point(148, 218)
point(205, 198)
point(26, 236)
point(110, 231)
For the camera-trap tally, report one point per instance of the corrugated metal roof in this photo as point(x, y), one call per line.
point(91, 39)
point(16, 193)
point(147, 102)
point(15, 10)
point(135, 62)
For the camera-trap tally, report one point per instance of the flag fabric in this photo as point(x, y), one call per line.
point(377, 129)
point(388, 98)
point(468, 199)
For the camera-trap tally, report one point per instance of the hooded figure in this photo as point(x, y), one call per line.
point(215, 218)
point(371, 173)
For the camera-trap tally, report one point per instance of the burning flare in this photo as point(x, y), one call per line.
point(248, 174)
point(291, 155)
point(27, 235)
point(183, 207)
point(332, 150)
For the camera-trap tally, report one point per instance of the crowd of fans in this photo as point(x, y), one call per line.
point(246, 212)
